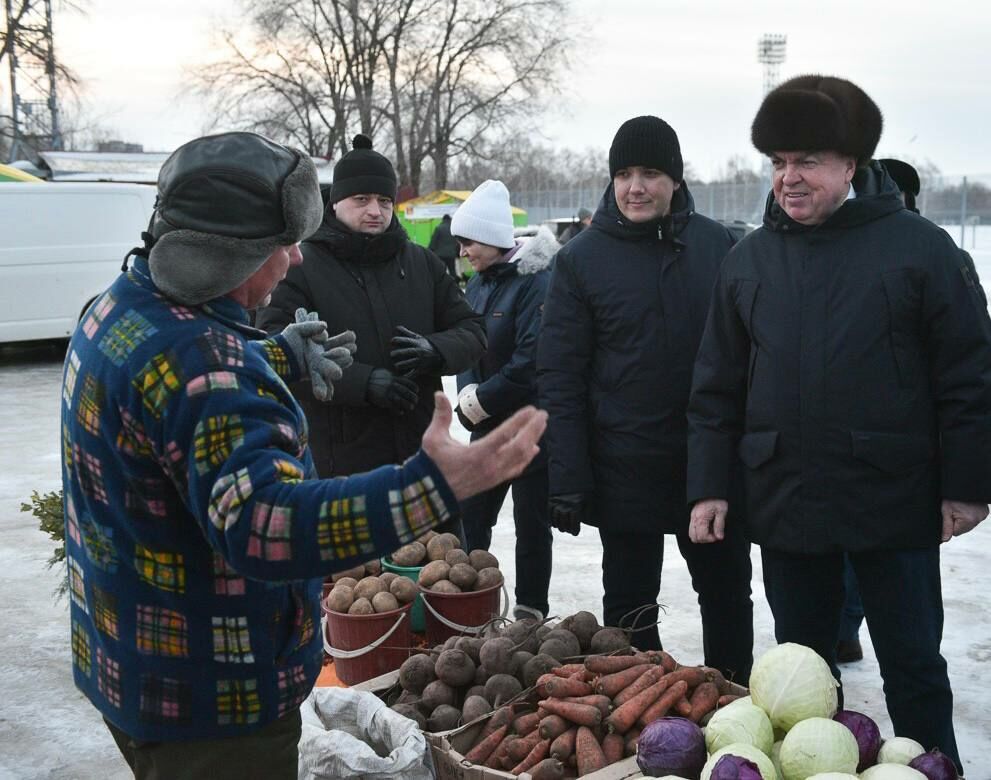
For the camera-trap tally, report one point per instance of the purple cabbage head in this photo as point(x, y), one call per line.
point(867, 734)
point(735, 768)
point(935, 766)
point(671, 746)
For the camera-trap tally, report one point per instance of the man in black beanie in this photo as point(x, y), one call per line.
point(622, 321)
point(845, 362)
point(412, 322)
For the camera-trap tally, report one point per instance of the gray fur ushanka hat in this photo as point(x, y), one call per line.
point(225, 204)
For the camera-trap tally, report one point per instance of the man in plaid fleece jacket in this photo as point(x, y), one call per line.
point(196, 535)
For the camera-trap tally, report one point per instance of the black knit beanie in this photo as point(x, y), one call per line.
point(648, 141)
point(363, 170)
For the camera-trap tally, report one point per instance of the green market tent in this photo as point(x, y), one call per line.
point(419, 216)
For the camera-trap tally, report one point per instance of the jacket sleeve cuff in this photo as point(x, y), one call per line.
point(711, 461)
point(966, 466)
point(470, 405)
point(281, 358)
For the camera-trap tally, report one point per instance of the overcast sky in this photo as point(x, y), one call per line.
point(691, 62)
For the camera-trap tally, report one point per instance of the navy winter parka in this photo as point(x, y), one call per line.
point(848, 365)
point(511, 297)
point(622, 321)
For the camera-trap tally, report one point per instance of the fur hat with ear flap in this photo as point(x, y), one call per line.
point(818, 113)
point(486, 216)
point(225, 204)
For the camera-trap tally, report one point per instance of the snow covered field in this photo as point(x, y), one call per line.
point(47, 729)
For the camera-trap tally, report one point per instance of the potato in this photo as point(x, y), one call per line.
point(438, 547)
point(483, 559)
point(361, 607)
point(384, 602)
point(434, 571)
point(426, 537)
point(444, 718)
point(341, 598)
point(456, 556)
point(411, 554)
point(500, 688)
point(349, 581)
point(387, 577)
point(356, 574)
point(437, 693)
point(403, 589)
point(368, 587)
point(374, 568)
point(475, 707)
point(463, 575)
point(488, 578)
point(445, 586)
point(453, 539)
point(455, 668)
point(416, 673)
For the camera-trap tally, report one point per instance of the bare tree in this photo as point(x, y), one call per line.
point(428, 78)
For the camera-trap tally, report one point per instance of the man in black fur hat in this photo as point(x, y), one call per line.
point(844, 362)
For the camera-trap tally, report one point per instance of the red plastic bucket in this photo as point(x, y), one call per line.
point(454, 614)
point(365, 646)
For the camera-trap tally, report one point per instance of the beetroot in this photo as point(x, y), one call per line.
point(935, 766)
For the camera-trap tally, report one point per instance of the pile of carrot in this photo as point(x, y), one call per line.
point(582, 717)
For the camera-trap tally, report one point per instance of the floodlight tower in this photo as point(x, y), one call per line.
point(35, 111)
point(770, 54)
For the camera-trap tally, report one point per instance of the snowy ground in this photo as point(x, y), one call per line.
point(47, 729)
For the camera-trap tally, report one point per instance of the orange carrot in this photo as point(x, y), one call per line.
point(693, 675)
point(596, 700)
point(683, 707)
point(521, 748)
point(553, 726)
point(579, 714)
point(538, 754)
point(611, 684)
point(495, 760)
point(668, 662)
point(501, 717)
point(568, 670)
point(524, 724)
point(643, 682)
point(667, 700)
point(704, 699)
point(562, 687)
point(548, 769)
point(588, 752)
point(541, 684)
point(612, 748)
point(623, 717)
point(727, 698)
point(608, 664)
point(480, 753)
point(564, 745)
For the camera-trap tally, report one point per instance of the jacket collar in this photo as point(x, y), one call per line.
point(610, 219)
point(347, 244)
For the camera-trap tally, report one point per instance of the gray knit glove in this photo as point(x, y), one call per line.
point(323, 357)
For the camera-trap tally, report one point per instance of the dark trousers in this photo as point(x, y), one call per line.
point(533, 532)
point(903, 604)
point(271, 753)
point(631, 578)
point(853, 609)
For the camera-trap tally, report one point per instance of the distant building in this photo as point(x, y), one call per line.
point(117, 147)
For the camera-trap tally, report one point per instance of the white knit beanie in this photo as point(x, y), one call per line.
point(486, 216)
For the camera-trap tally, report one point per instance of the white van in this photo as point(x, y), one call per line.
point(61, 245)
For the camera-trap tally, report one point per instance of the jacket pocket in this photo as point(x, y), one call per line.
point(892, 453)
point(903, 306)
point(757, 448)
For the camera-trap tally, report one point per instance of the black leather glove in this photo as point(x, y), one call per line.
point(388, 391)
point(413, 352)
point(568, 511)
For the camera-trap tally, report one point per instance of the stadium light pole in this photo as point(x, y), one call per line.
point(771, 50)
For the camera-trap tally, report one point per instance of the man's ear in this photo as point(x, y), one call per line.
point(851, 168)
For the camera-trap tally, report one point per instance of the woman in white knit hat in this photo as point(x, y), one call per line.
point(511, 277)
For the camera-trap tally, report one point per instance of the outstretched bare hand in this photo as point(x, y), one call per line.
point(501, 455)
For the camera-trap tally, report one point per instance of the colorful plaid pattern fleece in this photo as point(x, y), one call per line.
point(196, 542)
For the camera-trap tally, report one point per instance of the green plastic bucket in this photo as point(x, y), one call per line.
point(417, 620)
